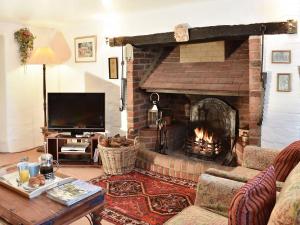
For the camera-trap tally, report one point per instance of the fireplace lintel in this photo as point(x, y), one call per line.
point(208, 33)
point(199, 92)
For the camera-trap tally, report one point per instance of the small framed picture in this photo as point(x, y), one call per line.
point(85, 49)
point(281, 56)
point(284, 82)
point(113, 68)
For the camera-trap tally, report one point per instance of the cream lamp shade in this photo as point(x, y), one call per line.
point(43, 55)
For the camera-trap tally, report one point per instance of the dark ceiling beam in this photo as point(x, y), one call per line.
point(199, 34)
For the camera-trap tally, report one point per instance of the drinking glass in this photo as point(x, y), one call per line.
point(23, 171)
point(34, 169)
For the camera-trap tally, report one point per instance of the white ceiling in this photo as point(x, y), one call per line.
point(47, 12)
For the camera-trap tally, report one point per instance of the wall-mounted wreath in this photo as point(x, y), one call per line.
point(25, 40)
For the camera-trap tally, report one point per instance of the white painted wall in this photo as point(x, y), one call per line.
point(3, 142)
point(21, 98)
point(23, 89)
point(94, 75)
point(281, 123)
point(198, 14)
point(20, 94)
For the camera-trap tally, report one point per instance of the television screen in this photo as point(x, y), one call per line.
point(76, 112)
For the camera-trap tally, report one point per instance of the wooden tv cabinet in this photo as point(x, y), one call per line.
point(56, 141)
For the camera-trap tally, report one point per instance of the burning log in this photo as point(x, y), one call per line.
point(204, 143)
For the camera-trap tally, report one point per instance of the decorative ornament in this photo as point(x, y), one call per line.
point(181, 32)
point(25, 40)
point(128, 52)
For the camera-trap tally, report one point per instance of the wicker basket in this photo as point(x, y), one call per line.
point(118, 160)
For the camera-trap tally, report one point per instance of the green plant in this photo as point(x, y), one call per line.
point(25, 40)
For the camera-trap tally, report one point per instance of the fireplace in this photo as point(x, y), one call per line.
point(234, 78)
point(223, 97)
point(211, 132)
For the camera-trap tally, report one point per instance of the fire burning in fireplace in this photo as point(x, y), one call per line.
point(201, 134)
point(205, 143)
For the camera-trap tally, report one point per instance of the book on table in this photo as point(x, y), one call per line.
point(73, 192)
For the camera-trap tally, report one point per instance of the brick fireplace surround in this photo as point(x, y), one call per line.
point(236, 81)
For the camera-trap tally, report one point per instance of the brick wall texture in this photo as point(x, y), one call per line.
point(230, 77)
point(255, 90)
point(238, 75)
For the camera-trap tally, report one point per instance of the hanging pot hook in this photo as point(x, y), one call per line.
point(152, 98)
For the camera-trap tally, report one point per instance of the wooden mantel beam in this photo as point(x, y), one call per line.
point(209, 33)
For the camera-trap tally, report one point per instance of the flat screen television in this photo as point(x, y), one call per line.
point(76, 112)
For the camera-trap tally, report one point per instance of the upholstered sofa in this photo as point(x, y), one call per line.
point(255, 160)
point(215, 193)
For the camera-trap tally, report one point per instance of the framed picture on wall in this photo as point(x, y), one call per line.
point(85, 49)
point(281, 56)
point(284, 82)
point(113, 68)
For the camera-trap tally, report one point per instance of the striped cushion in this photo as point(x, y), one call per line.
point(253, 203)
point(286, 160)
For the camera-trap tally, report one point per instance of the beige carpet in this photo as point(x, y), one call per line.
point(84, 173)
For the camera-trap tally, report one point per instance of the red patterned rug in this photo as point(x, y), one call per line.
point(144, 197)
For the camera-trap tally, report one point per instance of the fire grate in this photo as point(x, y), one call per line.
point(211, 133)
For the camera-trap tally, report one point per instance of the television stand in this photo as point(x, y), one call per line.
point(88, 134)
point(76, 135)
point(60, 146)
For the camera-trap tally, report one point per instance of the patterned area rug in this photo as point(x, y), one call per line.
point(144, 197)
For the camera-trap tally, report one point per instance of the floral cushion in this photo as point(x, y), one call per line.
point(286, 160)
point(253, 203)
point(287, 207)
point(194, 215)
point(216, 193)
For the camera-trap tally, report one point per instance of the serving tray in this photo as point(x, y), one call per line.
point(9, 178)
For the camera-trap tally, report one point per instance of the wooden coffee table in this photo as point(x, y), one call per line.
point(16, 209)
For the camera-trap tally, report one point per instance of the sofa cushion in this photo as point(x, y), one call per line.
point(253, 203)
point(215, 193)
point(287, 208)
point(194, 215)
point(239, 173)
point(286, 160)
point(258, 158)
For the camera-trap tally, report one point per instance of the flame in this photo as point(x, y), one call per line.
point(203, 135)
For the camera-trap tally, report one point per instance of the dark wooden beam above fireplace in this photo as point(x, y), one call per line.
point(199, 34)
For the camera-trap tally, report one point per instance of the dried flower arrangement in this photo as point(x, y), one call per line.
point(25, 40)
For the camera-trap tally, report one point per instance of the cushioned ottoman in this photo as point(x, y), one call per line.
point(194, 215)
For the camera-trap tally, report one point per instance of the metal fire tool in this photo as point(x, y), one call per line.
point(161, 144)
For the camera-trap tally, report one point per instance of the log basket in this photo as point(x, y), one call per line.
point(120, 160)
